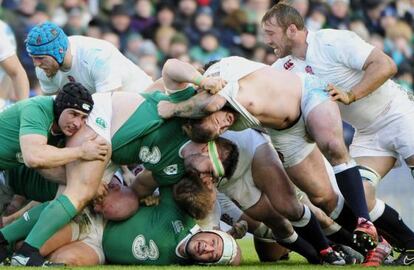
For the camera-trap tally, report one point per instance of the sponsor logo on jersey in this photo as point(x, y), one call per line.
point(171, 170)
point(178, 226)
point(152, 156)
point(142, 252)
point(309, 70)
point(100, 122)
point(19, 157)
point(288, 65)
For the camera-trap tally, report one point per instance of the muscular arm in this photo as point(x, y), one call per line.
point(378, 68)
point(18, 76)
point(177, 74)
point(199, 105)
point(39, 155)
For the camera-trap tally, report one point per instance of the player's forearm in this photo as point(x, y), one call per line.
point(47, 156)
point(20, 84)
point(180, 72)
point(199, 106)
point(376, 74)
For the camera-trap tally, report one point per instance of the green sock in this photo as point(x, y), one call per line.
point(59, 212)
point(21, 227)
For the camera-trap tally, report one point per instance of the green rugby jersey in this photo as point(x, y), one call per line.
point(148, 139)
point(150, 237)
point(30, 116)
point(30, 184)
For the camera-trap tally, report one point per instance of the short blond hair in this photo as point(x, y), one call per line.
point(284, 15)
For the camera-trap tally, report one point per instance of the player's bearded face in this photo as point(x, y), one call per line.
point(276, 37)
point(47, 64)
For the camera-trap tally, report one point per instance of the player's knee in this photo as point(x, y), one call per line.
point(292, 210)
point(85, 133)
point(335, 150)
point(324, 200)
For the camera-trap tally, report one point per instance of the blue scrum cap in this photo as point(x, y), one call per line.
point(47, 39)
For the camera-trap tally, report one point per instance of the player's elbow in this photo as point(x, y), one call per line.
point(169, 65)
point(33, 161)
point(214, 103)
point(392, 68)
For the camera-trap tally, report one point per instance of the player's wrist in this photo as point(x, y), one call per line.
point(197, 80)
point(351, 97)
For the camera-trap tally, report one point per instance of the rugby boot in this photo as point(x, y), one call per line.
point(35, 259)
point(377, 256)
point(406, 258)
point(330, 256)
point(350, 255)
point(365, 236)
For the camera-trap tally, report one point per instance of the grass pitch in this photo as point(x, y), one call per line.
point(250, 261)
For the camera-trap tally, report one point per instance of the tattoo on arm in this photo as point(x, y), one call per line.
point(198, 106)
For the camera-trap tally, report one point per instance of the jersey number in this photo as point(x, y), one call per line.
point(143, 252)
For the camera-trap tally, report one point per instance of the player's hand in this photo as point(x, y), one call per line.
point(150, 200)
point(166, 109)
point(238, 230)
point(95, 149)
point(212, 84)
point(339, 95)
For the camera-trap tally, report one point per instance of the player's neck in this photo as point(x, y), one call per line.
point(300, 46)
point(67, 62)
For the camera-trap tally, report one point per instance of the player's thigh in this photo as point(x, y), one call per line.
point(271, 178)
point(311, 176)
point(263, 211)
point(75, 254)
point(325, 126)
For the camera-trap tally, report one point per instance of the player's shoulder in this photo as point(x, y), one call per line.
point(332, 36)
point(90, 47)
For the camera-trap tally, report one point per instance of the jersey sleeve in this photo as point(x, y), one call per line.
point(182, 95)
point(33, 120)
point(8, 43)
point(348, 48)
point(106, 76)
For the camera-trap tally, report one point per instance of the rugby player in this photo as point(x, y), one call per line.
point(259, 94)
point(368, 99)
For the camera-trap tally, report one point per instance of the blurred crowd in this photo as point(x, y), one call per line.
point(198, 31)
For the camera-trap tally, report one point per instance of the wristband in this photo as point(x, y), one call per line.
point(197, 80)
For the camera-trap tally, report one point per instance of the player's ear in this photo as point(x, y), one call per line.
point(291, 31)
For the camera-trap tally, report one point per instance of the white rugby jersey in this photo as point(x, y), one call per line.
point(8, 45)
point(247, 142)
point(338, 56)
point(97, 65)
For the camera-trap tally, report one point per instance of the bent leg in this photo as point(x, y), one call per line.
point(81, 187)
point(270, 177)
point(325, 126)
point(311, 176)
